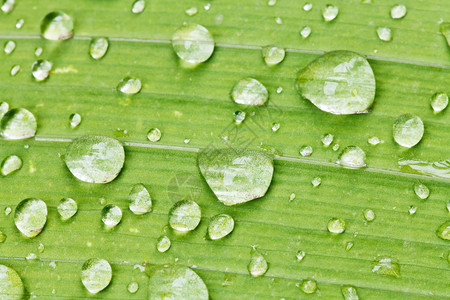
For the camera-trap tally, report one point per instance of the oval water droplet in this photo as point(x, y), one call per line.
point(19, 23)
point(140, 200)
point(239, 116)
point(67, 208)
point(38, 51)
point(220, 226)
point(4, 107)
point(398, 11)
point(273, 55)
point(305, 32)
point(41, 69)
point(133, 287)
point(74, 120)
point(306, 151)
point(18, 124)
point(349, 293)
point(98, 48)
point(300, 255)
point(11, 285)
point(9, 47)
point(408, 130)
point(96, 275)
point(30, 217)
point(193, 43)
point(163, 244)
point(176, 282)
point(308, 286)
point(307, 7)
point(316, 181)
point(185, 216)
point(111, 216)
point(421, 190)
point(154, 135)
point(236, 176)
point(338, 82)
point(138, 6)
point(95, 159)
point(336, 225)
point(327, 139)
point(439, 102)
point(57, 26)
point(352, 157)
point(258, 265)
point(10, 164)
point(8, 6)
point(15, 70)
point(384, 34)
point(369, 215)
point(330, 12)
point(444, 231)
point(276, 127)
point(386, 266)
point(192, 11)
point(129, 85)
point(444, 28)
point(249, 91)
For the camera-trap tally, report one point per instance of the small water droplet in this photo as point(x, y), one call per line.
point(349, 293)
point(98, 47)
point(307, 7)
point(8, 6)
point(330, 12)
point(38, 52)
point(41, 69)
point(163, 244)
point(412, 210)
point(369, 215)
point(408, 130)
point(278, 20)
point(384, 34)
point(439, 102)
point(300, 255)
point(57, 26)
point(279, 90)
point(132, 287)
point(193, 43)
point(207, 6)
point(31, 256)
point(306, 151)
point(7, 210)
point(129, 85)
point(11, 284)
point(239, 116)
point(335, 147)
point(292, 197)
point(20, 23)
point(138, 6)
point(187, 141)
point(185, 216)
point(10, 46)
point(308, 286)
point(10, 164)
point(316, 181)
point(41, 248)
point(305, 32)
point(96, 275)
point(111, 216)
point(398, 11)
point(74, 120)
point(374, 141)
point(352, 157)
point(258, 265)
point(220, 226)
point(444, 28)
point(154, 135)
point(30, 217)
point(271, 2)
point(327, 139)
point(191, 11)
point(336, 225)
point(386, 266)
point(67, 208)
point(444, 231)
point(249, 91)
point(421, 190)
point(15, 70)
point(4, 107)
point(140, 200)
point(273, 55)
point(275, 127)
point(349, 246)
point(18, 124)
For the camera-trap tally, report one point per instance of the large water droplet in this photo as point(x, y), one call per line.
point(57, 26)
point(185, 215)
point(95, 159)
point(439, 102)
point(236, 177)
point(349, 293)
point(98, 48)
point(163, 244)
point(352, 157)
point(444, 231)
point(11, 285)
point(193, 43)
point(249, 91)
point(67, 208)
point(18, 124)
point(96, 275)
point(273, 55)
point(384, 34)
point(330, 12)
point(386, 266)
point(154, 135)
point(140, 200)
point(336, 225)
point(30, 216)
point(138, 6)
point(220, 226)
point(10, 164)
point(132, 287)
point(408, 130)
point(421, 190)
point(176, 282)
point(41, 69)
point(398, 11)
point(339, 82)
point(111, 216)
point(258, 265)
point(308, 286)
point(8, 6)
point(444, 28)
point(9, 47)
point(130, 85)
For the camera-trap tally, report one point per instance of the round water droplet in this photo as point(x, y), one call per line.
point(352, 157)
point(67, 208)
point(384, 34)
point(75, 120)
point(95, 159)
point(18, 124)
point(278, 20)
point(4, 107)
point(239, 116)
point(336, 225)
point(57, 26)
point(98, 48)
point(176, 282)
point(330, 12)
point(11, 285)
point(369, 215)
point(9, 47)
point(421, 190)
point(258, 265)
point(398, 11)
point(185, 216)
point(273, 55)
point(140, 200)
point(10, 164)
point(14, 70)
point(300, 255)
point(111, 215)
point(305, 32)
point(163, 244)
point(138, 6)
point(349, 293)
point(306, 151)
point(439, 102)
point(96, 275)
point(307, 7)
point(408, 130)
point(132, 287)
point(129, 85)
point(338, 82)
point(30, 216)
point(444, 231)
point(220, 226)
point(386, 266)
point(193, 43)
point(249, 91)
point(41, 69)
point(308, 286)
point(154, 135)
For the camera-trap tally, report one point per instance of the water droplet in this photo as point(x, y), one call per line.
point(421, 190)
point(386, 266)
point(305, 32)
point(8, 6)
point(2, 239)
point(9, 47)
point(95, 159)
point(129, 85)
point(111, 216)
point(412, 210)
point(10, 164)
point(207, 6)
point(220, 226)
point(408, 130)
point(193, 43)
point(249, 91)
point(236, 177)
point(154, 135)
point(275, 127)
point(278, 20)
point(335, 147)
point(374, 141)
point(271, 2)
point(384, 34)
point(30, 217)
point(98, 48)
point(185, 215)
point(279, 90)
point(316, 181)
point(307, 7)
point(292, 197)
point(336, 225)
point(306, 151)
point(327, 139)
point(138, 6)
point(41, 69)
point(96, 275)
point(300, 255)
point(352, 157)
point(163, 244)
point(349, 246)
point(239, 116)
point(258, 265)
point(191, 11)
point(338, 82)
point(67, 208)
point(349, 293)
point(330, 12)
point(444, 231)
point(437, 168)
point(19, 23)
point(369, 215)
point(41, 248)
point(439, 102)
point(398, 11)
point(273, 55)
point(18, 124)
point(444, 28)
point(4, 107)
point(74, 120)
point(140, 200)
point(38, 52)
point(15, 70)
point(11, 285)
point(132, 287)
point(308, 286)
point(176, 282)
point(187, 141)
point(7, 210)
point(57, 26)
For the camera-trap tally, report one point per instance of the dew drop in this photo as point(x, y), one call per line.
point(308, 286)
point(15, 70)
point(129, 85)
point(11, 285)
point(412, 210)
point(4, 107)
point(292, 197)
point(306, 151)
point(38, 52)
point(444, 231)
point(163, 244)
point(11, 164)
point(67, 208)
point(8, 6)
point(316, 181)
point(10, 46)
point(300, 255)
point(386, 266)
point(111, 216)
point(18, 124)
point(185, 216)
point(335, 147)
point(140, 200)
point(278, 20)
point(193, 43)
point(384, 34)
point(273, 55)
point(330, 12)
point(98, 47)
point(249, 91)
point(41, 248)
point(305, 32)
point(421, 190)
point(271, 2)
point(132, 287)
point(352, 157)
point(220, 226)
point(41, 69)
point(279, 90)
point(327, 139)
point(96, 275)
point(20, 23)
point(439, 102)
point(398, 11)
point(408, 130)
point(336, 225)
point(307, 7)
point(374, 141)
point(57, 26)
point(349, 246)
point(74, 120)
point(239, 116)
point(192, 11)
point(7, 211)
point(207, 6)
point(444, 28)
point(30, 217)
point(275, 127)
point(349, 292)
point(258, 265)
point(369, 215)
point(138, 6)
point(154, 135)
